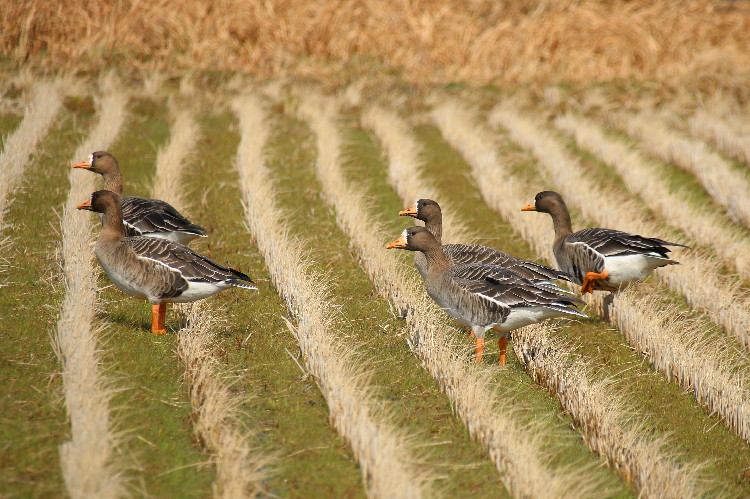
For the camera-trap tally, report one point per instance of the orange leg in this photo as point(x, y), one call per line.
point(588, 282)
point(503, 344)
point(480, 349)
point(157, 318)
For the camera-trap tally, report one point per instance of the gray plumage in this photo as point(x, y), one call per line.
point(485, 296)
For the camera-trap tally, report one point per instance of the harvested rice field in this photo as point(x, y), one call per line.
point(339, 376)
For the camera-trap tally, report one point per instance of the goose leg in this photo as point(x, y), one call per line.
point(157, 318)
point(588, 282)
point(503, 344)
point(480, 349)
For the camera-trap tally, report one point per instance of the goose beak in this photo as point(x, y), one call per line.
point(84, 206)
point(529, 207)
point(86, 165)
point(409, 212)
point(398, 243)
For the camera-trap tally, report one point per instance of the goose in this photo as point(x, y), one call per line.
point(600, 259)
point(430, 213)
point(142, 216)
point(155, 269)
point(484, 296)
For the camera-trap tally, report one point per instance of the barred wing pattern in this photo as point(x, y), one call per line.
point(476, 253)
point(145, 216)
point(190, 265)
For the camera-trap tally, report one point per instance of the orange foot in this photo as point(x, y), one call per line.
point(480, 349)
point(590, 280)
point(158, 314)
point(502, 343)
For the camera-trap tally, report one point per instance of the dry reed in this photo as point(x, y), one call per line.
point(507, 195)
point(88, 459)
point(727, 187)
point(45, 101)
point(240, 469)
point(697, 279)
point(427, 40)
point(727, 138)
point(615, 436)
point(515, 448)
point(387, 463)
point(645, 180)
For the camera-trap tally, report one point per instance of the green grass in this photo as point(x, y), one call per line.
point(282, 406)
point(8, 123)
point(404, 389)
point(663, 407)
point(33, 420)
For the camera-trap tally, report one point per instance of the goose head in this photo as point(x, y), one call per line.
point(414, 239)
point(546, 202)
point(101, 201)
point(424, 209)
point(100, 162)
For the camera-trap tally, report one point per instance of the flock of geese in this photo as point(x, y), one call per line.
point(142, 248)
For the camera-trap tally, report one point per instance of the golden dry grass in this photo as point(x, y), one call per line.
point(515, 448)
point(386, 459)
point(87, 392)
point(700, 42)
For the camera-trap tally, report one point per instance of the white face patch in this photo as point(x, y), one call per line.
point(91, 159)
point(404, 234)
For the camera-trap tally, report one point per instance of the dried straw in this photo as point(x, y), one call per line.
point(388, 465)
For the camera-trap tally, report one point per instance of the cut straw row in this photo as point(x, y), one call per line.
point(727, 187)
point(697, 279)
point(728, 139)
point(643, 179)
point(602, 418)
point(240, 469)
point(387, 464)
point(88, 459)
point(45, 101)
point(707, 372)
point(515, 448)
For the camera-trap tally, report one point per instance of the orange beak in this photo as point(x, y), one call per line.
point(84, 206)
point(397, 243)
point(83, 164)
point(529, 207)
point(409, 212)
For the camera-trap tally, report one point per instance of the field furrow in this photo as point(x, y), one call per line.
point(87, 392)
point(697, 279)
point(387, 463)
point(216, 422)
point(506, 192)
point(725, 185)
point(45, 102)
point(514, 447)
point(602, 415)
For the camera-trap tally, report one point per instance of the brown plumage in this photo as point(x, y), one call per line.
point(155, 269)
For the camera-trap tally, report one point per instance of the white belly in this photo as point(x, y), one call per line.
point(198, 291)
point(626, 268)
point(524, 316)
